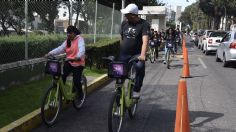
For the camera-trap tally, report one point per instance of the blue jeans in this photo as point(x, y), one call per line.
point(140, 71)
point(172, 50)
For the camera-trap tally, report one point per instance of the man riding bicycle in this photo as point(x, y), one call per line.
point(134, 41)
point(74, 48)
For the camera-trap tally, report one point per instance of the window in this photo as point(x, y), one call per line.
point(234, 35)
point(226, 38)
point(60, 24)
point(217, 34)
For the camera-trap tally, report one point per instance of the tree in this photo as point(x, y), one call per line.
point(214, 9)
point(141, 3)
point(47, 10)
point(12, 15)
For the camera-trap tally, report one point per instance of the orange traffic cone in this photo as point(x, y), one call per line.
point(185, 72)
point(183, 43)
point(182, 114)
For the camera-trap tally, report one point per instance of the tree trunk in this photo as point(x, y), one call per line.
point(77, 14)
point(216, 18)
point(4, 28)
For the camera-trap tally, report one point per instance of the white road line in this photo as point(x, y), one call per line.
point(203, 64)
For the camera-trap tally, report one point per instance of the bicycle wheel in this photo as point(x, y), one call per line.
point(51, 105)
point(168, 59)
point(78, 101)
point(133, 108)
point(115, 119)
point(152, 55)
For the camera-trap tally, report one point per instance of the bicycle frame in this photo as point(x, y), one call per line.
point(65, 89)
point(125, 100)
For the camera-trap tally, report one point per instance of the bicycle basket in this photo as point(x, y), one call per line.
point(117, 70)
point(169, 45)
point(151, 43)
point(53, 68)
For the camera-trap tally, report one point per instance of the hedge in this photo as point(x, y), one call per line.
point(101, 49)
point(13, 48)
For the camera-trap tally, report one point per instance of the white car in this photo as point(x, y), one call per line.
point(226, 51)
point(203, 38)
point(210, 43)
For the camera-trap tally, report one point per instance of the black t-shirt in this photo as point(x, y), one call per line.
point(131, 35)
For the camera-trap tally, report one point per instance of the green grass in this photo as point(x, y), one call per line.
point(94, 72)
point(19, 100)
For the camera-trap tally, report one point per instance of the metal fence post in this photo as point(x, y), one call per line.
point(26, 29)
point(95, 22)
point(112, 19)
point(123, 6)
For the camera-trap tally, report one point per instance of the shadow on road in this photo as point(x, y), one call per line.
point(179, 66)
point(208, 117)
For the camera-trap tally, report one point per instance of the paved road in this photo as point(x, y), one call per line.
point(211, 95)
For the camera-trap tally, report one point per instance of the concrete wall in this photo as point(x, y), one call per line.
point(15, 73)
point(162, 21)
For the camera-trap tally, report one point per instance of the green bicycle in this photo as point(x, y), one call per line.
point(152, 54)
point(121, 99)
point(52, 100)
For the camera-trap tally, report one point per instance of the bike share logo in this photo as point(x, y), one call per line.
point(130, 33)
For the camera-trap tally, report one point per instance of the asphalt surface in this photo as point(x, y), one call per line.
point(211, 99)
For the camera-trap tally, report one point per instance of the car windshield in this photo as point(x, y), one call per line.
point(209, 32)
point(217, 34)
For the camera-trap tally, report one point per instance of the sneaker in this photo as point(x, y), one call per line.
point(164, 62)
point(117, 112)
point(136, 95)
point(52, 104)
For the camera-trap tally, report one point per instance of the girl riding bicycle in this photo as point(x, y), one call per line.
point(74, 48)
point(170, 37)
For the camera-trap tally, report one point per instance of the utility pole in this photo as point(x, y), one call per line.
point(123, 6)
point(26, 29)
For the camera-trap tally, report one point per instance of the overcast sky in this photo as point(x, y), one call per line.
point(175, 3)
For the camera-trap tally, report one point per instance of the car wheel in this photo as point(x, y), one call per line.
point(206, 52)
point(217, 58)
point(225, 63)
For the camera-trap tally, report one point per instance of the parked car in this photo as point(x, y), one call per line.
point(210, 43)
point(203, 38)
point(226, 51)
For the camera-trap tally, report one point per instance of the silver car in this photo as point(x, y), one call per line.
point(226, 51)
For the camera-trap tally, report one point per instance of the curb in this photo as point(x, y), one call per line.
point(33, 119)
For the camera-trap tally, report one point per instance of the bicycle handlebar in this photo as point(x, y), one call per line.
point(51, 57)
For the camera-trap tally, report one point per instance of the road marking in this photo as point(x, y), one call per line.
point(203, 64)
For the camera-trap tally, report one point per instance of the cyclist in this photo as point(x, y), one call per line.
point(178, 37)
point(134, 41)
point(74, 48)
point(170, 37)
point(162, 35)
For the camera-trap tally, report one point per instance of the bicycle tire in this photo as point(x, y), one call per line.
point(45, 113)
point(133, 108)
point(79, 103)
point(114, 113)
point(168, 59)
point(152, 55)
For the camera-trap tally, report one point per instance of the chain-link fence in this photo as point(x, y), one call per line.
point(30, 28)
